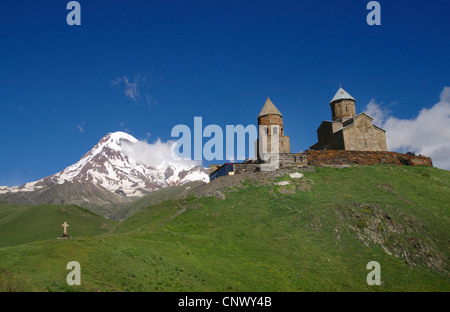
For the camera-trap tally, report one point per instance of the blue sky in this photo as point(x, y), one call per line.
point(145, 66)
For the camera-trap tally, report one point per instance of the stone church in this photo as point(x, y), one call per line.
point(270, 124)
point(346, 139)
point(348, 131)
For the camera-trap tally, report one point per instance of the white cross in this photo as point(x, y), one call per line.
point(65, 225)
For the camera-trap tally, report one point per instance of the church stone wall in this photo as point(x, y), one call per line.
point(336, 125)
point(363, 136)
point(243, 167)
point(334, 158)
point(341, 157)
point(291, 160)
point(327, 139)
point(357, 134)
point(269, 120)
point(213, 168)
point(285, 144)
point(343, 109)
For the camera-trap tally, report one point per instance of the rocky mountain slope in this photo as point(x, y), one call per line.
point(105, 175)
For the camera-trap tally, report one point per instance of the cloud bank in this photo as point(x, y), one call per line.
point(427, 134)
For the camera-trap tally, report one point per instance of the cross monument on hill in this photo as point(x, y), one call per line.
point(65, 225)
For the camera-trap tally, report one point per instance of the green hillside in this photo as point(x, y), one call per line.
point(316, 234)
point(21, 224)
point(172, 192)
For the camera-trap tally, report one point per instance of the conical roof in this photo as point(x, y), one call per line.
point(342, 95)
point(269, 109)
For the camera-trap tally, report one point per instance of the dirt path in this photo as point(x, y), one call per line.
point(176, 215)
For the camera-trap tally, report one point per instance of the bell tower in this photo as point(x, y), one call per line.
point(342, 106)
point(270, 127)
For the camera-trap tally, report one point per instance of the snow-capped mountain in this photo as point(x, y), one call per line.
point(110, 168)
point(107, 165)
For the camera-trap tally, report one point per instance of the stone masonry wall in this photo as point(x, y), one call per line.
point(213, 168)
point(293, 160)
point(335, 158)
point(343, 109)
point(340, 157)
point(361, 135)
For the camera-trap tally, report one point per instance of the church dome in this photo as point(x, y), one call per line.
point(342, 95)
point(269, 109)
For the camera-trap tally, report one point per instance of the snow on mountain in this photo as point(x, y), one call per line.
point(108, 166)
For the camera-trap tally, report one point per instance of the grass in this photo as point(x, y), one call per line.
point(20, 224)
point(153, 198)
point(259, 239)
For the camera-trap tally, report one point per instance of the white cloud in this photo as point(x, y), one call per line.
point(132, 87)
point(116, 81)
point(374, 110)
point(80, 127)
point(155, 154)
point(427, 134)
point(136, 88)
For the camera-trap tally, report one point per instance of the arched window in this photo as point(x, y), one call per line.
point(346, 109)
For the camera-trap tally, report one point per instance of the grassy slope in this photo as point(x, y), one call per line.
point(258, 239)
point(172, 192)
point(21, 224)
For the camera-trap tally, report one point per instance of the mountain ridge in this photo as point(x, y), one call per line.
point(104, 175)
